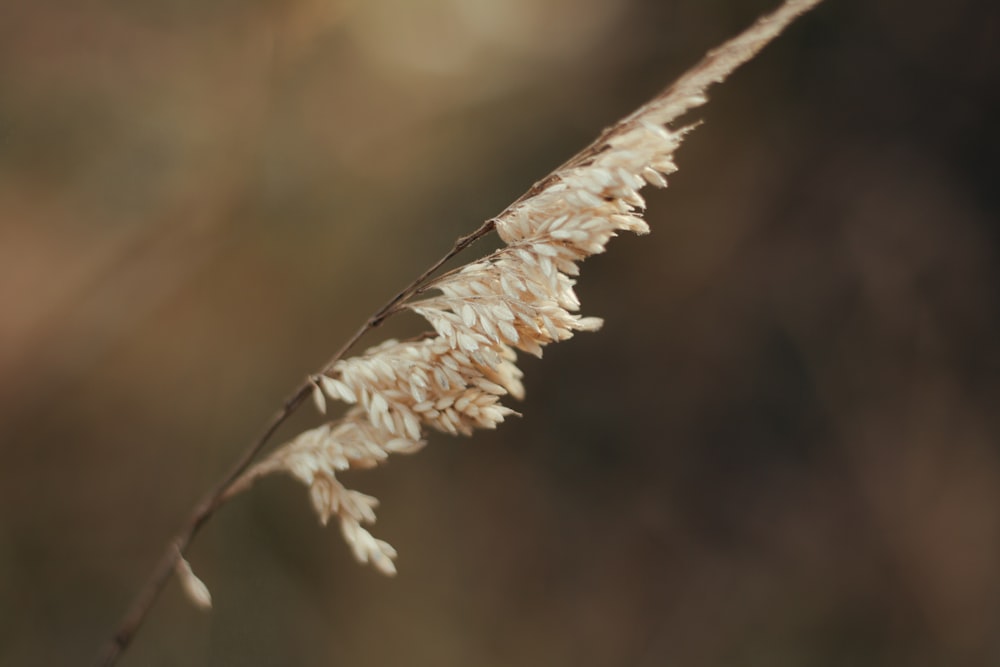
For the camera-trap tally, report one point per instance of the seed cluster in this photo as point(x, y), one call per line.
point(520, 298)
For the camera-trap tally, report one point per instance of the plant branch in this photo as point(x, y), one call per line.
point(225, 489)
point(686, 93)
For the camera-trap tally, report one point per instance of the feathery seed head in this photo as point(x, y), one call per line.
point(519, 298)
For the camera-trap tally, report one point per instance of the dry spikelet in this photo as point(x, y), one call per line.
point(193, 587)
point(519, 298)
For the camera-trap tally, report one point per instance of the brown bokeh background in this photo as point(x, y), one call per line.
point(781, 450)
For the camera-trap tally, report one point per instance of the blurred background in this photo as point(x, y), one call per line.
point(782, 449)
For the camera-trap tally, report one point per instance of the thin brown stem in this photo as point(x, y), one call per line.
point(223, 490)
point(158, 578)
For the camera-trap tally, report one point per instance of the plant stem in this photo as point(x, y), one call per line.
point(158, 578)
point(221, 492)
point(683, 95)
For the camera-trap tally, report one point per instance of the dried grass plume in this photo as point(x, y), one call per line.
point(518, 299)
point(453, 379)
